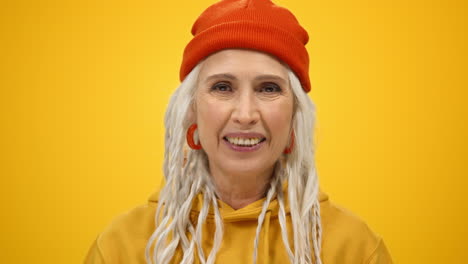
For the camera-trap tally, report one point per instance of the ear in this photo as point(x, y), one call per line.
point(192, 113)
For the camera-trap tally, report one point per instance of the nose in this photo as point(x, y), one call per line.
point(246, 111)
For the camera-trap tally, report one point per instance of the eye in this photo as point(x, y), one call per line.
point(221, 87)
point(270, 88)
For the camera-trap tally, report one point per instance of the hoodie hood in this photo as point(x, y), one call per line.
point(249, 212)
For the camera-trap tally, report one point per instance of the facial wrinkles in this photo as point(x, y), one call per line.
point(246, 95)
point(245, 103)
point(247, 98)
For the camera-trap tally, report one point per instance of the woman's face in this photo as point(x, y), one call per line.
point(244, 110)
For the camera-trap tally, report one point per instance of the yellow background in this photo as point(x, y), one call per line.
point(84, 86)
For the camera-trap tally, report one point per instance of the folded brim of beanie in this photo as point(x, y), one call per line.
point(248, 35)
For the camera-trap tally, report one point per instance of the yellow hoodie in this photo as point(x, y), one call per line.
point(345, 238)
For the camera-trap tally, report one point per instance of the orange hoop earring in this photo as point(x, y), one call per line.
point(190, 141)
point(291, 147)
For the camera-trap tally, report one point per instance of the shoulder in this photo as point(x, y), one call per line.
point(135, 223)
point(346, 238)
point(124, 239)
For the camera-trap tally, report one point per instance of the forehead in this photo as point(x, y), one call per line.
point(248, 63)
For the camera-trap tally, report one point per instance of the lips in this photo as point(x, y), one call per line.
point(244, 139)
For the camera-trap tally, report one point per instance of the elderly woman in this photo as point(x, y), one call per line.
point(241, 183)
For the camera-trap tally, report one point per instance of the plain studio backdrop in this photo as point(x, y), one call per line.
point(84, 86)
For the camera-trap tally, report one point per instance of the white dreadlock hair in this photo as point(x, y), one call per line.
point(189, 176)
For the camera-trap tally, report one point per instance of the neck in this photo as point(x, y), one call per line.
point(240, 190)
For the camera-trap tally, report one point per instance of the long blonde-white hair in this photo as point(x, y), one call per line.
point(187, 175)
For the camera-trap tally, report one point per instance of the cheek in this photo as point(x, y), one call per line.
point(278, 119)
point(210, 118)
point(280, 126)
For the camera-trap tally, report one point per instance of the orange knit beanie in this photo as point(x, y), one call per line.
point(251, 24)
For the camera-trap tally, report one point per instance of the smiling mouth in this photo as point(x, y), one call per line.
point(244, 142)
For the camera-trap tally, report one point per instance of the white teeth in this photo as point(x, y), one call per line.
point(243, 141)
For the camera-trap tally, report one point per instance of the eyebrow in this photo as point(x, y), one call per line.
point(258, 78)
